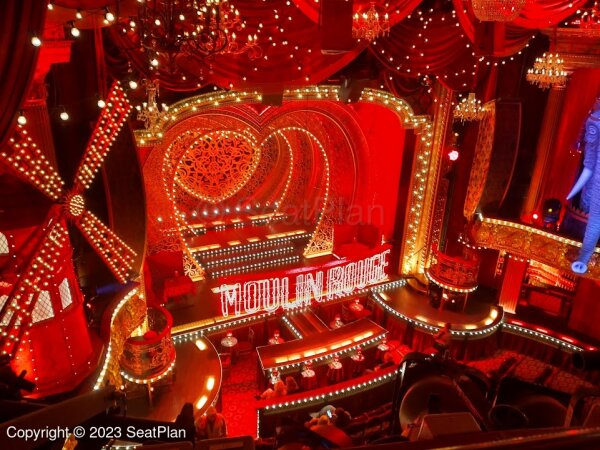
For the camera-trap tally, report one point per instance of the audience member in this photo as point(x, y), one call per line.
point(211, 425)
point(443, 339)
point(185, 421)
point(388, 361)
point(341, 418)
point(279, 390)
point(291, 385)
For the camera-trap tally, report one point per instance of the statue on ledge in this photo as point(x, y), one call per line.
point(589, 180)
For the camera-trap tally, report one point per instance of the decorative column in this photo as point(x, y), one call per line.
point(433, 208)
point(547, 136)
point(442, 124)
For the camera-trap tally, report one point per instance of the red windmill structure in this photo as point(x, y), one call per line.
point(29, 322)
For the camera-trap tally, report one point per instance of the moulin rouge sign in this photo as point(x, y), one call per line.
point(299, 287)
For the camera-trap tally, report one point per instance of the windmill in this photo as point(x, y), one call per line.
point(25, 158)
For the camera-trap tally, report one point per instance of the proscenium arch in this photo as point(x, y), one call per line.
point(420, 202)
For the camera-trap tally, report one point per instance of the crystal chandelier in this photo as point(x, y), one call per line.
point(195, 27)
point(370, 25)
point(469, 109)
point(149, 112)
point(497, 10)
point(547, 71)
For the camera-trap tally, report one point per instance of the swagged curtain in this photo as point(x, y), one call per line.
point(19, 21)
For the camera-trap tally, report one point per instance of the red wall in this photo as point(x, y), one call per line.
point(385, 137)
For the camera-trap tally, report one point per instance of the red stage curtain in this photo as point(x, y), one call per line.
point(509, 38)
point(397, 9)
point(435, 44)
point(583, 88)
point(19, 21)
point(279, 38)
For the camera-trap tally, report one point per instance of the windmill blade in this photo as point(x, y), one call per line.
point(109, 124)
point(113, 251)
point(15, 313)
point(28, 162)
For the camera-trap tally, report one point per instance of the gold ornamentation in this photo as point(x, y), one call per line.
point(532, 243)
point(497, 10)
point(481, 161)
point(218, 165)
point(548, 71)
point(469, 109)
point(129, 317)
point(370, 24)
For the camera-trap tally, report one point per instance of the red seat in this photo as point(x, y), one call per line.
point(225, 359)
point(248, 345)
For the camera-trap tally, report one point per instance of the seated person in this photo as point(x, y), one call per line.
point(327, 411)
point(388, 361)
point(211, 425)
point(291, 385)
point(321, 421)
point(185, 421)
point(279, 390)
point(443, 339)
point(341, 418)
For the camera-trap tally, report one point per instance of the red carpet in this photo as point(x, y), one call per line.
point(238, 401)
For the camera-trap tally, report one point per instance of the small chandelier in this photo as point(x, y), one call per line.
point(547, 71)
point(370, 25)
point(149, 112)
point(497, 10)
point(469, 109)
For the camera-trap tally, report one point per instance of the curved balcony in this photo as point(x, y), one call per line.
point(453, 273)
point(149, 357)
point(532, 243)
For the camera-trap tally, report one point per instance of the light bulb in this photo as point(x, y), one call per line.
point(21, 120)
point(74, 30)
point(64, 115)
point(101, 103)
point(108, 15)
point(133, 84)
point(36, 41)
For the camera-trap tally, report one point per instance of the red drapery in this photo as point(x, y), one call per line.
point(397, 9)
point(19, 21)
point(511, 37)
point(583, 88)
point(431, 43)
point(291, 46)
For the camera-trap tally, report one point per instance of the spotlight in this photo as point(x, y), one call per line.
point(110, 17)
point(21, 120)
point(36, 41)
point(74, 30)
point(64, 115)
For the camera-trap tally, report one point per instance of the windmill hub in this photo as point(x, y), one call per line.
point(75, 205)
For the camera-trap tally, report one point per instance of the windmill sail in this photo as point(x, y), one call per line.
point(110, 122)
